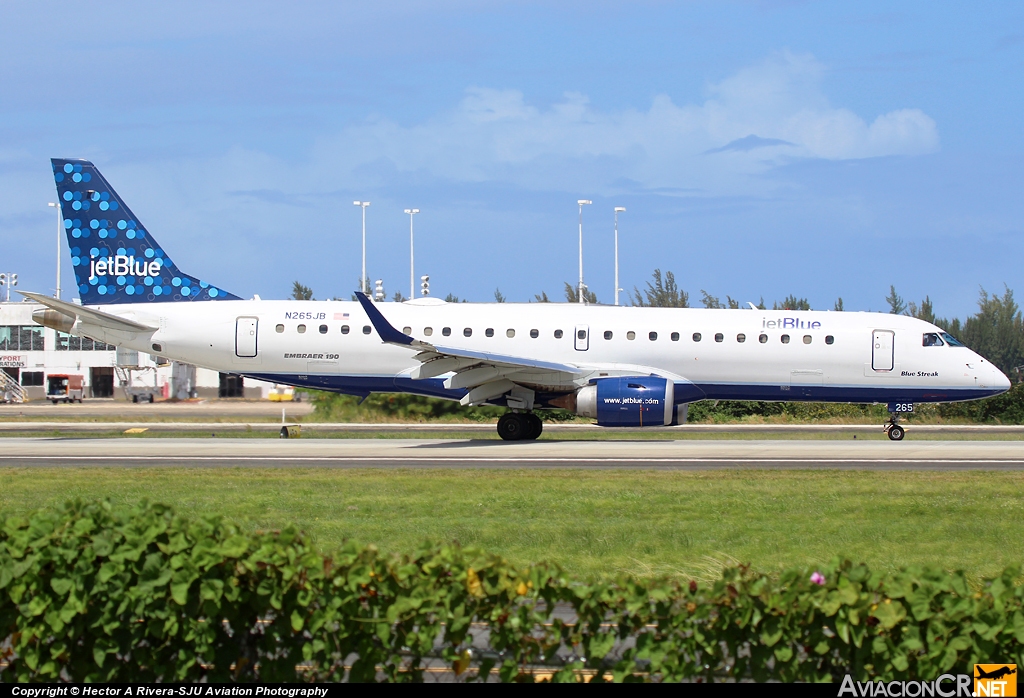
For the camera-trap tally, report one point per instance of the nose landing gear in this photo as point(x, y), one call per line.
point(893, 429)
point(520, 426)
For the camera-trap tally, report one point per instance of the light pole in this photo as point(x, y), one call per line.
point(362, 279)
point(8, 279)
point(60, 231)
point(581, 202)
point(617, 289)
point(412, 276)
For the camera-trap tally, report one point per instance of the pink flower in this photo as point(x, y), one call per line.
point(818, 578)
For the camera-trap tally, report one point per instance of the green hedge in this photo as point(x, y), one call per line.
point(1007, 408)
point(94, 593)
point(333, 407)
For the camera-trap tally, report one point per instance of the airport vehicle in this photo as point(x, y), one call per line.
point(623, 366)
point(68, 388)
point(132, 376)
point(282, 393)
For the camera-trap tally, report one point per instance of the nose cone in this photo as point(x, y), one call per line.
point(999, 381)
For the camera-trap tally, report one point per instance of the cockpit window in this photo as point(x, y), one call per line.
point(931, 339)
point(952, 341)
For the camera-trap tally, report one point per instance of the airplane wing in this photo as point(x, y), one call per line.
point(89, 316)
point(485, 374)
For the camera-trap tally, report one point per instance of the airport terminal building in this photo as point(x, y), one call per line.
point(31, 354)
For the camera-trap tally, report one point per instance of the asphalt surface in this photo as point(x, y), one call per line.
point(443, 429)
point(164, 409)
point(468, 453)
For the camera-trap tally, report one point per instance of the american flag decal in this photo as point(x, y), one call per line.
point(341, 316)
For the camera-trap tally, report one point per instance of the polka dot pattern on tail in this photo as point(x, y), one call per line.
point(133, 268)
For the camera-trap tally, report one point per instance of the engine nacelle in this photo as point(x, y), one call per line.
point(633, 401)
point(54, 319)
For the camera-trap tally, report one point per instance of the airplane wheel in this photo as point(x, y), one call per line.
point(534, 426)
point(896, 432)
point(512, 427)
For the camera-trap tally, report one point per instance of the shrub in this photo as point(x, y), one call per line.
point(379, 407)
point(93, 593)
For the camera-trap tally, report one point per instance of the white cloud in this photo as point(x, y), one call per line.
point(494, 134)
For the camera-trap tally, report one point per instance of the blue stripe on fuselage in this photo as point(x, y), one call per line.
point(853, 394)
point(685, 392)
point(364, 385)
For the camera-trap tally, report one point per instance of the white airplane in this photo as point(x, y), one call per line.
point(623, 366)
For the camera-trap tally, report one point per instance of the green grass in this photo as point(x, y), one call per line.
point(595, 522)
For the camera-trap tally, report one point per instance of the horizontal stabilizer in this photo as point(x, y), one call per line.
point(89, 316)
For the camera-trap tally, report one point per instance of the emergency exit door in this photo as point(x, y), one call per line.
point(582, 337)
point(245, 337)
point(882, 347)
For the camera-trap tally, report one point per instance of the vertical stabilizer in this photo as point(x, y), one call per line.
point(115, 259)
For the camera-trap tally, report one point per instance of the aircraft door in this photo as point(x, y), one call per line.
point(245, 337)
point(582, 337)
point(882, 348)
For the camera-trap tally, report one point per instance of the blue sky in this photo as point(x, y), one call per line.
point(765, 148)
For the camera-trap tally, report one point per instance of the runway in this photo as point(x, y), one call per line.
point(446, 429)
point(469, 453)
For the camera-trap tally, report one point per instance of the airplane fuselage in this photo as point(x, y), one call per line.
point(715, 354)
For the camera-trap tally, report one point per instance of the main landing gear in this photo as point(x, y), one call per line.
point(519, 426)
point(893, 429)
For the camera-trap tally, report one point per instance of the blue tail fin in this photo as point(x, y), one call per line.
point(115, 258)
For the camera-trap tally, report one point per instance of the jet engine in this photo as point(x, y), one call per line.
point(631, 401)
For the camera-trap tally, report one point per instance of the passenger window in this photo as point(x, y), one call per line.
point(534, 334)
point(675, 336)
point(763, 338)
point(446, 331)
point(607, 334)
point(631, 335)
point(931, 339)
point(279, 329)
point(785, 339)
point(406, 330)
point(344, 329)
point(427, 331)
point(301, 329)
point(696, 336)
point(829, 339)
point(653, 336)
point(489, 332)
point(719, 337)
point(510, 333)
point(468, 332)
point(741, 338)
point(808, 339)
point(581, 334)
point(367, 329)
point(558, 334)
point(323, 329)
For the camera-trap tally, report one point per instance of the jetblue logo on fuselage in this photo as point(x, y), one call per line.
point(123, 265)
point(790, 323)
